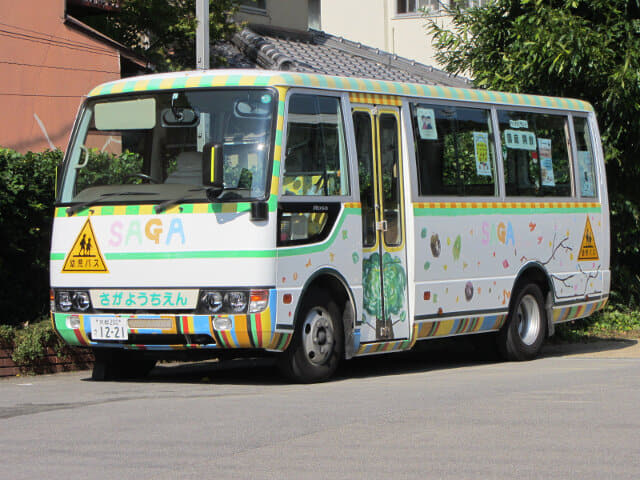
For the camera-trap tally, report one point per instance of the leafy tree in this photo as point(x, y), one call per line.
point(164, 31)
point(588, 49)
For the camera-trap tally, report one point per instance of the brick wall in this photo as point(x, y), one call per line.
point(72, 359)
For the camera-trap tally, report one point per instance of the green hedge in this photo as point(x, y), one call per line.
point(27, 185)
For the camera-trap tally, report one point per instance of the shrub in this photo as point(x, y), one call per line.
point(7, 334)
point(31, 342)
point(27, 184)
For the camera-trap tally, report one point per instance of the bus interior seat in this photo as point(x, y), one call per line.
point(188, 169)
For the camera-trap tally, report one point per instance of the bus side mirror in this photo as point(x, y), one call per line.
point(213, 169)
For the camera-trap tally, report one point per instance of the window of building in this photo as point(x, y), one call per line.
point(253, 4)
point(454, 150)
point(316, 154)
point(416, 6)
point(535, 150)
point(435, 6)
point(467, 4)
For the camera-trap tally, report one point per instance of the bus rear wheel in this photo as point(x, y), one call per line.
point(318, 341)
point(522, 336)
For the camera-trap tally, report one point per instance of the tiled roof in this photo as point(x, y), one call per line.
point(273, 48)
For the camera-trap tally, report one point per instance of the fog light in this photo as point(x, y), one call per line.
point(81, 301)
point(64, 301)
point(237, 301)
point(222, 323)
point(74, 322)
point(258, 300)
point(212, 301)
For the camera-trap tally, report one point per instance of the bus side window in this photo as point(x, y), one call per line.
point(315, 154)
point(364, 147)
point(455, 151)
point(586, 168)
point(535, 150)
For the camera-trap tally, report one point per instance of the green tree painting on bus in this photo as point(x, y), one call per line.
point(394, 282)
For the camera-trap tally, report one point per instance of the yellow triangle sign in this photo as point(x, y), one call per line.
point(588, 250)
point(85, 256)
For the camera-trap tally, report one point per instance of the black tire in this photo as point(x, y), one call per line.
point(522, 336)
point(318, 341)
point(111, 364)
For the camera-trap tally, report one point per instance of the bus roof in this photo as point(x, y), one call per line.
point(263, 78)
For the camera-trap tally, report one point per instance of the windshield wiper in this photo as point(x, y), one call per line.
point(161, 207)
point(211, 192)
point(81, 206)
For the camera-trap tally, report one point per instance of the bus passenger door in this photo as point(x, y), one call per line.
point(384, 259)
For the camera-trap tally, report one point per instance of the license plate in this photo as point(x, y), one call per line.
point(109, 328)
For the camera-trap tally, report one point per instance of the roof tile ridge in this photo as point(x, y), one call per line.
point(260, 49)
point(377, 54)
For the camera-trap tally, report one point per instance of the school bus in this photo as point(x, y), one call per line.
point(315, 218)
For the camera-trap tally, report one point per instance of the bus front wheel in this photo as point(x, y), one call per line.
point(523, 334)
point(318, 341)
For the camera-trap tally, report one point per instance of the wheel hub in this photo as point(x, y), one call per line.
point(529, 320)
point(318, 336)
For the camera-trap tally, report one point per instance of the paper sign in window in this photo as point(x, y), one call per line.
point(481, 149)
point(546, 162)
point(520, 139)
point(427, 123)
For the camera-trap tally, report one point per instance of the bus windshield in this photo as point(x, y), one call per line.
point(148, 148)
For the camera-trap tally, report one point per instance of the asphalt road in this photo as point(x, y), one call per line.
point(574, 413)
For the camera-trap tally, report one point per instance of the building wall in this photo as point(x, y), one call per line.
point(47, 68)
point(281, 13)
point(363, 21)
point(375, 23)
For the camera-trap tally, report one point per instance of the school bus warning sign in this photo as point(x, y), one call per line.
point(85, 256)
point(588, 250)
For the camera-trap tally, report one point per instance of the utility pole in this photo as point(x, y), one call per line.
point(202, 35)
point(202, 63)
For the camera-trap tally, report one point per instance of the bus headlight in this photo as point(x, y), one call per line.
point(233, 301)
point(81, 301)
point(237, 301)
point(73, 300)
point(64, 301)
point(212, 301)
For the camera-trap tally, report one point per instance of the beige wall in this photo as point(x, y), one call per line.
point(281, 13)
point(361, 21)
point(46, 69)
point(375, 23)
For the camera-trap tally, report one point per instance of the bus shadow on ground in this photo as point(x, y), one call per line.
point(438, 354)
point(433, 355)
